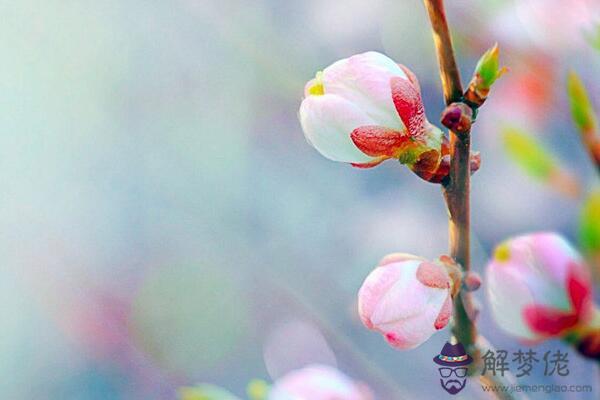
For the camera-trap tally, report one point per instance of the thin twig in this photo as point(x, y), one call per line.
point(457, 188)
point(443, 44)
point(457, 191)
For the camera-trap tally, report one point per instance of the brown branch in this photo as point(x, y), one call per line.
point(457, 190)
point(443, 44)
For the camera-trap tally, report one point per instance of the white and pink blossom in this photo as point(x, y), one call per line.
point(318, 382)
point(539, 287)
point(407, 299)
point(365, 109)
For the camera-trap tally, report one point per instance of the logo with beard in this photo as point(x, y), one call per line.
point(453, 361)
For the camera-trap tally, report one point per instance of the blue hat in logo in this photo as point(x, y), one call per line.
point(453, 355)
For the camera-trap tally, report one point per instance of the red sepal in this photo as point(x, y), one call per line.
point(409, 105)
point(377, 141)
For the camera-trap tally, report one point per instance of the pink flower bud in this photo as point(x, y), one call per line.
point(538, 287)
point(318, 382)
point(365, 109)
point(406, 299)
point(472, 281)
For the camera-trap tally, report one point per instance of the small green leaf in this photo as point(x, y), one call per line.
point(589, 224)
point(488, 68)
point(528, 153)
point(581, 106)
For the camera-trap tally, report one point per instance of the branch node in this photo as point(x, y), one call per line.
point(458, 117)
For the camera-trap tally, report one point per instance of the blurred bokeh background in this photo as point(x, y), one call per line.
point(165, 223)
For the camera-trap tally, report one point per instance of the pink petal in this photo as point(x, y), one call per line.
point(397, 257)
point(413, 330)
point(555, 253)
point(364, 80)
point(445, 313)
point(379, 281)
point(411, 77)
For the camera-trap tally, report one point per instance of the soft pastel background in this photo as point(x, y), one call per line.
point(164, 223)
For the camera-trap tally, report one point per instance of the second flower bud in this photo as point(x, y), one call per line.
point(407, 299)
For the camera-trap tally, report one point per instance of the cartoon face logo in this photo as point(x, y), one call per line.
point(453, 384)
point(453, 361)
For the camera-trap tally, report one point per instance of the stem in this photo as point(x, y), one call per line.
point(457, 192)
point(443, 45)
point(457, 188)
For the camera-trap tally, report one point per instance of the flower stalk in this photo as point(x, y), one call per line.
point(456, 188)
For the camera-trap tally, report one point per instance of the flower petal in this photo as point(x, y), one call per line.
point(327, 122)
point(550, 321)
point(508, 294)
point(580, 290)
point(554, 253)
point(380, 280)
point(364, 79)
point(409, 105)
point(411, 77)
point(398, 257)
point(410, 332)
point(407, 297)
point(445, 313)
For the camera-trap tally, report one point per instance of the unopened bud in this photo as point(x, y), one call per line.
point(486, 73)
point(458, 117)
point(407, 299)
point(472, 281)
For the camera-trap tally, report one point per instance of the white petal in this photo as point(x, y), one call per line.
point(541, 263)
point(416, 329)
point(314, 382)
point(328, 121)
point(407, 297)
point(364, 79)
point(508, 295)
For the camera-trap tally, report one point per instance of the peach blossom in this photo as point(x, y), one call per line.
point(318, 382)
point(407, 299)
point(538, 286)
point(365, 109)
